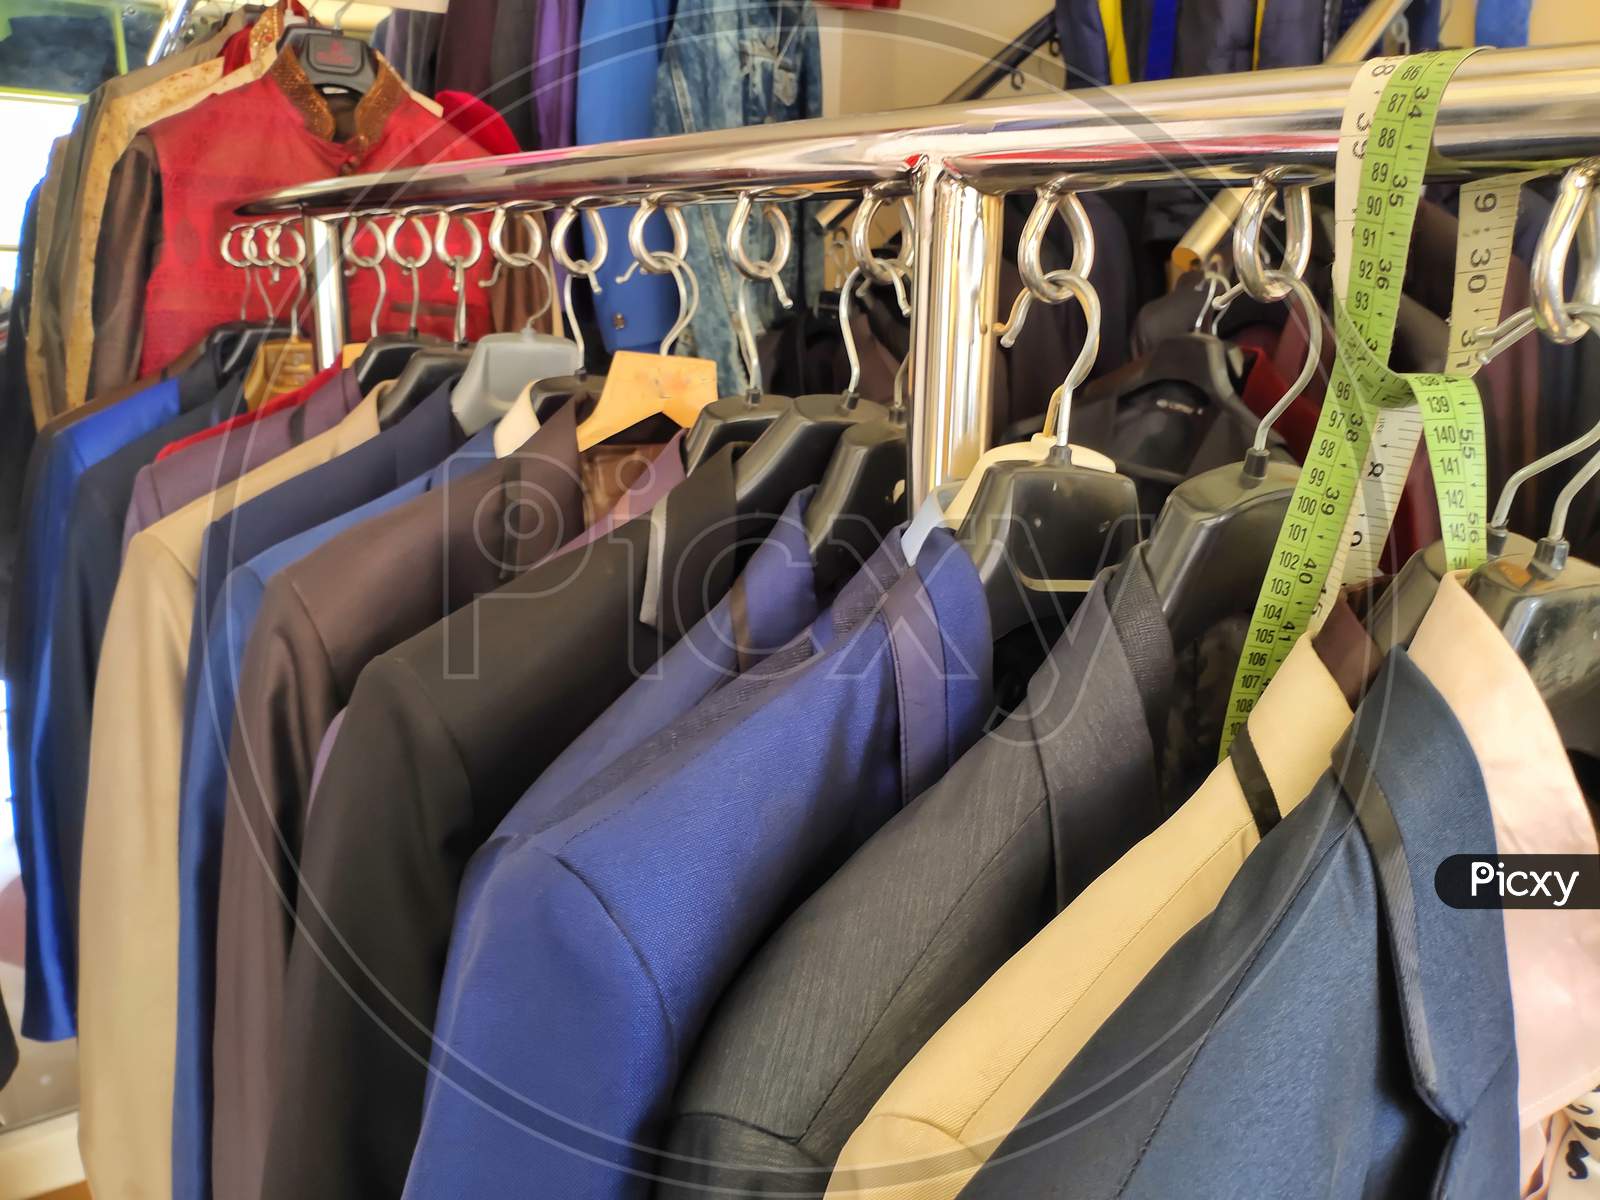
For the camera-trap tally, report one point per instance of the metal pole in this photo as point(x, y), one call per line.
point(958, 245)
point(1503, 106)
point(327, 289)
point(1206, 234)
point(171, 31)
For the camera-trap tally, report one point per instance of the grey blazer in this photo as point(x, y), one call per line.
point(850, 987)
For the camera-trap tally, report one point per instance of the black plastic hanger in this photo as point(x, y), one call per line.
point(1040, 531)
point(1212, 543)
point(385, 356)
point(863, 492)
point(1548, 606)
point(1398, 611)
point(238, 341)
point(800, 441)
point(331, 59)
point(425, 372)
point(746, 416)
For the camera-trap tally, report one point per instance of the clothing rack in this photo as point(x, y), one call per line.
point(958, 161)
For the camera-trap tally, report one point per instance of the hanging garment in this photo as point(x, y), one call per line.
point(42, 299)
point(450, 728)
point(161, 283)
point(66, 452)
point(17, 430)
point(940, 1119)
point(1409, 1103)
point(128, 931)
point(923, 913)
point(555, 72)
point(618, 54)
point(165, 486)
point(511, 88)
point(734, 814)
point(120, 122)
point(1218, 37)
point(463, 61)
point(82, 164)
point(405, 458)
point(727, 67)
point(476, 520)
point(411, 449)
point(1085, 50)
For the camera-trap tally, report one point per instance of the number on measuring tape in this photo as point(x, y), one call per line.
point(1386, 140)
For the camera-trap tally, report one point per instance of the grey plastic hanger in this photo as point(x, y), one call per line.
point(503, 364)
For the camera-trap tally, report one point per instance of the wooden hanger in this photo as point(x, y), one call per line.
point(640, 386)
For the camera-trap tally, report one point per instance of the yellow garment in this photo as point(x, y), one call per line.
point(1116, 40)
point(1255, 52)
point(121, 121)
point(939, 1121)
point(279, 367)
point(33, 362)
point(128, 934)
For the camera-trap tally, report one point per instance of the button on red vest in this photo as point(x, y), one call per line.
point(275, 133)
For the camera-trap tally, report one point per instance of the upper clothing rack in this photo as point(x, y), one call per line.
point(1504, 110)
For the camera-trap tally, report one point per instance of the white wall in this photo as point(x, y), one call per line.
point(1554, 21)
point(874, 60)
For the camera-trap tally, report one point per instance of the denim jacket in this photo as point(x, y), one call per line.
point(769, 47)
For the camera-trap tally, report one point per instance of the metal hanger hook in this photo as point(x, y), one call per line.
point(1293, 287)
point(296, 262)
point(1589, 317)
point(1558, 515)
point(892, 271)
point(1257, 278)
point(1051, 287)
point(650, 261)
point(354, 225)
point(856, 279)
point(688, 301)
point(1062, 285)
point(413, 266)
point(749, 269)
point(1573, 216)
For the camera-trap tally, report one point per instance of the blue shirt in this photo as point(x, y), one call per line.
point(594, 934)
point(424, 435)
point(60, 461)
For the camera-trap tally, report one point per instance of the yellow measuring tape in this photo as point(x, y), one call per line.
point(1312, 540)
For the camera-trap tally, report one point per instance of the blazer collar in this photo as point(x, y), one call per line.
point(689, 559)
point(1412, 780)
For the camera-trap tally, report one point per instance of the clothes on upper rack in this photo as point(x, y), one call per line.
point(161, 283)
point(619, 50)
point(770, 47)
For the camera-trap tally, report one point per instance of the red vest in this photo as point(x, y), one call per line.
point(276, 133)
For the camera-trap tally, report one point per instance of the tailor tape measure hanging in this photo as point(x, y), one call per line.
point(1393, 159)
point(1484, 237)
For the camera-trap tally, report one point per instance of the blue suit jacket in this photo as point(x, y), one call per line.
point(594, 934)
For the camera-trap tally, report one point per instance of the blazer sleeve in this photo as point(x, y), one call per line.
point(380, 871)
point(551, 1040)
